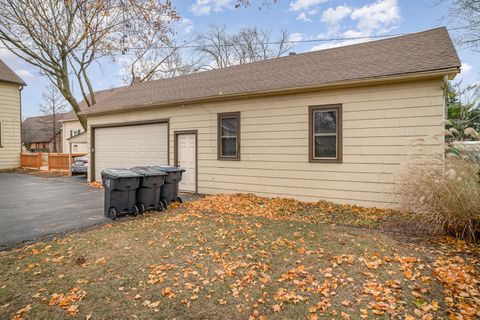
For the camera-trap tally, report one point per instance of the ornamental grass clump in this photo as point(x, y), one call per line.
point(445, 199)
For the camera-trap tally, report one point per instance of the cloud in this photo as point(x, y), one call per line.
point(332, 17)
point(305, 16)
point(355, 33)
point(466, 68)
point(298, 5)
point(379, 16)
point(295, 37)
point(334, 44)
point(187, 25)
point(25, 74)
point(306, 8)
point(20, 67)
point(373, 18)
point(6, 54)
point(205, 7)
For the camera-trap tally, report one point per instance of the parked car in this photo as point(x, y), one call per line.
point(80, 165)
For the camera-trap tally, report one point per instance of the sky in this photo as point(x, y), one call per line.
point(315, 21)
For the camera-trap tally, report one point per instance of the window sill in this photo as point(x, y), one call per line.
point(228, 159)
point(325, 160)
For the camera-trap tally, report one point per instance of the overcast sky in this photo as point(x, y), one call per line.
point(315, 20)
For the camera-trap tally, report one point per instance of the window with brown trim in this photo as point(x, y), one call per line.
point(325, 133)
point(228, 136)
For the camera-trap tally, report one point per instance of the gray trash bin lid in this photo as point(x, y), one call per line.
point(120, 173)
point(169, 169)
point(149, 171)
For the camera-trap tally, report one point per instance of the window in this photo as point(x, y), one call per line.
point(71, 133)
point(229, 136)
point(325, 130)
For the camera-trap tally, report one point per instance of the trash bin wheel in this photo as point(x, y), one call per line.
point(141, 208)
point(112, 213)
point(135, 211)
point(159, 207)
point(179, 200)
point(164, 203)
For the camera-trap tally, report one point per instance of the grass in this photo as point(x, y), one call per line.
point(262, 261)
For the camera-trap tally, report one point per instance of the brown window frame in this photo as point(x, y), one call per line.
point(220, 116)
point(311, 133)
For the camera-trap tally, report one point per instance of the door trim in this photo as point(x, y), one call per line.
point(92, 128)
point(175, 153)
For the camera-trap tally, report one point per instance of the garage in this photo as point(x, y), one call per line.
point(129, 145)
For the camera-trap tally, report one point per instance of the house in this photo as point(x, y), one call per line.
point(336, 124)
point(38, 134)
point(10, 117)
point(71, 126)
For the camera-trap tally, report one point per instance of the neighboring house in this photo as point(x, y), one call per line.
point(335, 124)
point(71, 126)
point(38, 136)
point(10, 117)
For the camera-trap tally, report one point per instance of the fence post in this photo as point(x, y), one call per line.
point(39, 160)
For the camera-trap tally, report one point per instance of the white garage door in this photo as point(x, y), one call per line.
point(129, 146)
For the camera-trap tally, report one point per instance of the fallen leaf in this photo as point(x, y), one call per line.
point(276, 308)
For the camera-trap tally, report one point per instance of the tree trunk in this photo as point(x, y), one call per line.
point(64, 85)
point(54, 130)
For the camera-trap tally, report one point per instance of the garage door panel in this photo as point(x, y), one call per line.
point(129, 146)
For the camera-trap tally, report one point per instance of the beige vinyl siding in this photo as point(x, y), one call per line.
point(381, 123)
point(10, 126)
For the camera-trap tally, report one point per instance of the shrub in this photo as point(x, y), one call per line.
point(444, 198)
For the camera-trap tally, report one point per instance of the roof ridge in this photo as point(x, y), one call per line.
point(47, 115)
point(238, 66)
point(414, 53)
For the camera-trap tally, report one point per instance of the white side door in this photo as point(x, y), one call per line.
point(186, 159)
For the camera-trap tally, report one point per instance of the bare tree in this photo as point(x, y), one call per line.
point(163, 62)
point(261, 3)
point(52, 105)
point(221, 49)
point(467, 16)
point(64, 38)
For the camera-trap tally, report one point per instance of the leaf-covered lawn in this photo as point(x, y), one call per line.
point(240, 257)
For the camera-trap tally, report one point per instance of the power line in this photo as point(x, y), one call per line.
point(188, 46)
point(258, 43)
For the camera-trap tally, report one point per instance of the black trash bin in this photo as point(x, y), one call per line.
point(120, 190)
point(148, 192)
point(169, 190)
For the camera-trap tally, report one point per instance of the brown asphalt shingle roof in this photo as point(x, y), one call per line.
point(7, 75)
point(40, 128)
point(425, 51)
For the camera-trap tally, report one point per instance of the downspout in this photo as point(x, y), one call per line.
point(21, 120)
point(445, 115)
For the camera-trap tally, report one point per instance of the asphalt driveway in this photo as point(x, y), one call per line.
point(32, 207)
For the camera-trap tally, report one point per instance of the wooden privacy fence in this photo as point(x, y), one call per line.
point(31, 160)
point(56, 161)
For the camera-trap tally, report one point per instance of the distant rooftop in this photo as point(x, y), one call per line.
point(39, 129)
